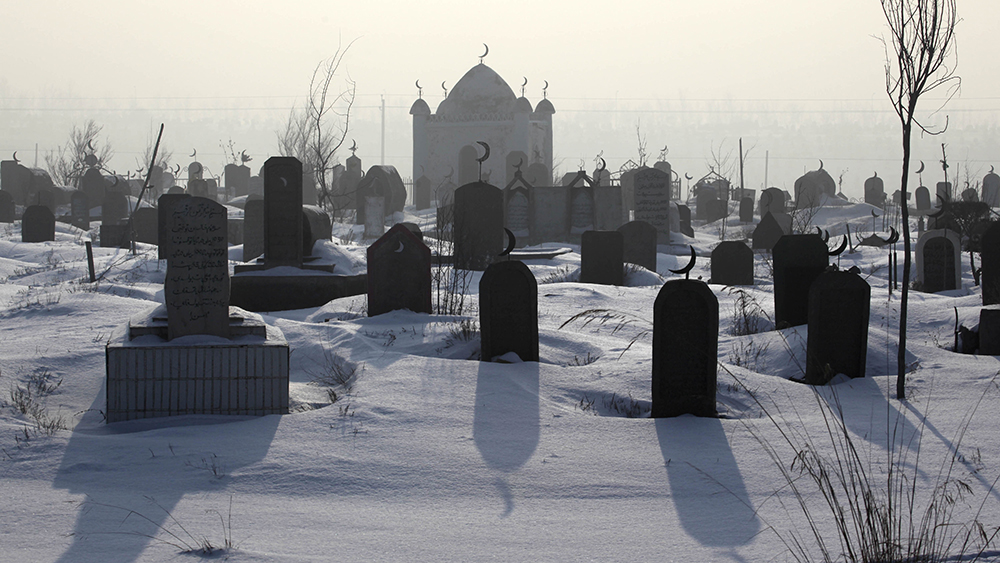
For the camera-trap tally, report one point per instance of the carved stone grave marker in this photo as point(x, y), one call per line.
point(478, 225)
point(602, 256)
point(38, 224)
point(938, 257)
point(399, 273)
point(685, 349)
point(839, 304)
point(651, 197)
point(732, 263)
point(639, 244)
point(79, 210)
point(798, 261)
point(196, 287)
point(508, 311)
point(282, 212)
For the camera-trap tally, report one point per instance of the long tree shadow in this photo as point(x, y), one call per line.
point(135, 473)
point(696, 450)
point(505, 423)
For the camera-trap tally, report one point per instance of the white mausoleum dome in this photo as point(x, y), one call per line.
point(480, 91)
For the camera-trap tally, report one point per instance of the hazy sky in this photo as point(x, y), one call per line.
point(251, 61)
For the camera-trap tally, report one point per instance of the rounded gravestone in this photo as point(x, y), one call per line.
point(639, 240)
point(685, 349)
point(837, 343)
point(38, 224)
point(478, 225)
point(508, 311)
point(399, 273)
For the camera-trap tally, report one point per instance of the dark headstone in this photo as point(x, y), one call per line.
point(196, 287)
point(602, 257)
point(732, 263)
point(115, 236)
point(989, 331)
point(94, 185)
point(746, 210)
point(508, 311)
point(685, 349)
point(38, 224)
point(548, 214)
point(639, 244)
point(651, 197)
point(990, 259)
point(114, 208)
point(164, 208)
point(703, 202)
point(970, 195)
point(145, 225)
point(923, 196)
point(798, 261)
point(478, 229)
point(282, 212)
point(315, 226)
point(237, 180)
point(7, 207)
point(812, 186)
point(684, 216)
point(253, 229)
point(399, 273)
point(767, 232)
point(717, 209)
point(938, 256)
point(839, 303)
point(772, 200)
point(79, 210)
point(874, 191)
point(422, 193)
point(991, 189)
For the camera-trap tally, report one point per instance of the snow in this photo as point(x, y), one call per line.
point(431, 455)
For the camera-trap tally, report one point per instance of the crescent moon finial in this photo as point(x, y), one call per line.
point(602, 167)
point(194, 153)
point(893, 236)
point(523, 84)
point(445, 89)
point(991, 167)
point(545, 90)
point(90, 145)
point(876, 173)
point(485, 154)
point(874, 215)
point(921, 169)
point(420, 91)
point(840, 249)
point(511, 242)
point(15, 158)
point(177, 170)
point(520, 163)
point(688, 176)
point(483, 56)
point(821, 164)
point(686, 270)
point(354, 147)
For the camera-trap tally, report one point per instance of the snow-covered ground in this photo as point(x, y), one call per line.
point(431, 455)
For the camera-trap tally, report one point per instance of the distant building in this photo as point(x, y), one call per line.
point(482, 107)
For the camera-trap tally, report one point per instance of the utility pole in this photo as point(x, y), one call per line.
point(383, 129)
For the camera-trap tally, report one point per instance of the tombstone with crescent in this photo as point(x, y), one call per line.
point(399, 273)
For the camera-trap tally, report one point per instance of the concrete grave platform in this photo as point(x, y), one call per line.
point(148, 376)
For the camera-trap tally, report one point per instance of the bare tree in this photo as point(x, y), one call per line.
point(67, 163)
point(922, 42)
point(315, 132)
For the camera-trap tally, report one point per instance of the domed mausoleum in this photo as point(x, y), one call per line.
point(482, 107)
